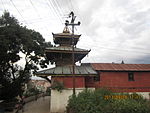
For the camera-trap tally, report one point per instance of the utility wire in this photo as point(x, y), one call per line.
point(37, 12)
point(71, 5)
point(38, 19)
point(58, 10)
point(61, 9)
point(55, 11)
point(57, 7)
point(120, 50)
point(35, 9)
point(125, 50)
point(3, 4)
point(18, 11)
point(51, 9)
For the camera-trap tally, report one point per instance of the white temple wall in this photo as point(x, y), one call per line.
point(59, 100)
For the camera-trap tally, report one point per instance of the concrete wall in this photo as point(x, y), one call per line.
point(59, 100)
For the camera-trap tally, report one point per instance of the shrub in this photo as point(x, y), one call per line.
point(31, 92)
point(89, 101)
point(59, 86)
point(130, 106)
point(95, 102)
point(48, 91)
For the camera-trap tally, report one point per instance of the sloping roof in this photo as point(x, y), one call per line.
point(65, 48)
point(83, 70)
point(65, 35)
point(120, 67)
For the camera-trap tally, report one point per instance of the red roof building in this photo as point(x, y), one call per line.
point(116, 77)
point(122, 77)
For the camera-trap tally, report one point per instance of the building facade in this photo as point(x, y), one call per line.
point(72, 76)
point(122, 77)
point(116, 77)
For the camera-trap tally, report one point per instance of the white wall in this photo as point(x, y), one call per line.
point(59, 100)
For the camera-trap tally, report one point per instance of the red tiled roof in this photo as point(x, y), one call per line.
point(120, 67)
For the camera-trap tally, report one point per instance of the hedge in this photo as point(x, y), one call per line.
point(97, 101)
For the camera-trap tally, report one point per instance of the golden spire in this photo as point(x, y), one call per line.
point(66, 30)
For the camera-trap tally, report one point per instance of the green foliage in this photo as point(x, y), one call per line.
point(59, 86)
point(48, 91)
point(15, 39)
point(130, 106)
point(90, 101)
point(31, 92)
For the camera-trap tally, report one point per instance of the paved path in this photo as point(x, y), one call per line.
point(42, 105)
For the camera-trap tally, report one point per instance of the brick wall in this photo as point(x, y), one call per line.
point(119, 80)
point(68, 81)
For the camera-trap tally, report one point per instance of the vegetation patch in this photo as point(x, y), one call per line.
point(95, 102)
point(59, 86)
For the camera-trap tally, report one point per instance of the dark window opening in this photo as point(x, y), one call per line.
point(97, 78)
point(131, 76)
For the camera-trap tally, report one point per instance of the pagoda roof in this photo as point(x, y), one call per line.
point(66, 49)
point(83, 70)
point(65, 35)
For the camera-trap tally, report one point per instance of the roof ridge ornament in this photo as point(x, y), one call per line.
point(66, 30)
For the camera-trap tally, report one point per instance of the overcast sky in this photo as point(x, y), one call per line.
point(114, 30)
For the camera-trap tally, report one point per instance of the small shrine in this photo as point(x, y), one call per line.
point(64, 55)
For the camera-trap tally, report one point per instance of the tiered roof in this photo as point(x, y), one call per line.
point(83, 70)
point(62, 54)
point(65, 38)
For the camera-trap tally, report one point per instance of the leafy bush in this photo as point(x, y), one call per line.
point(130, 106)
point(31, 92)
point(48, 91)
point(95, 102)
point(59, 86)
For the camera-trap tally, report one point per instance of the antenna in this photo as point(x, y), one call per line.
point(73, 17)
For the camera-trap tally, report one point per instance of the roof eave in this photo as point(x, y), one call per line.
point(67, 51)
point(67, 75)
point(65, 35)
point(124, 70)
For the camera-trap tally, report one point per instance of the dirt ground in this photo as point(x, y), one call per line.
point(41, 105)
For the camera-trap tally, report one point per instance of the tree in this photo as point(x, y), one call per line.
point(16, 39)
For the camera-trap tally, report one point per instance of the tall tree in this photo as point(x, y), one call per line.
point(15, 39)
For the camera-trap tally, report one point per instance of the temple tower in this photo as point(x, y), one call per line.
point(65, 54)
point(61, 54)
